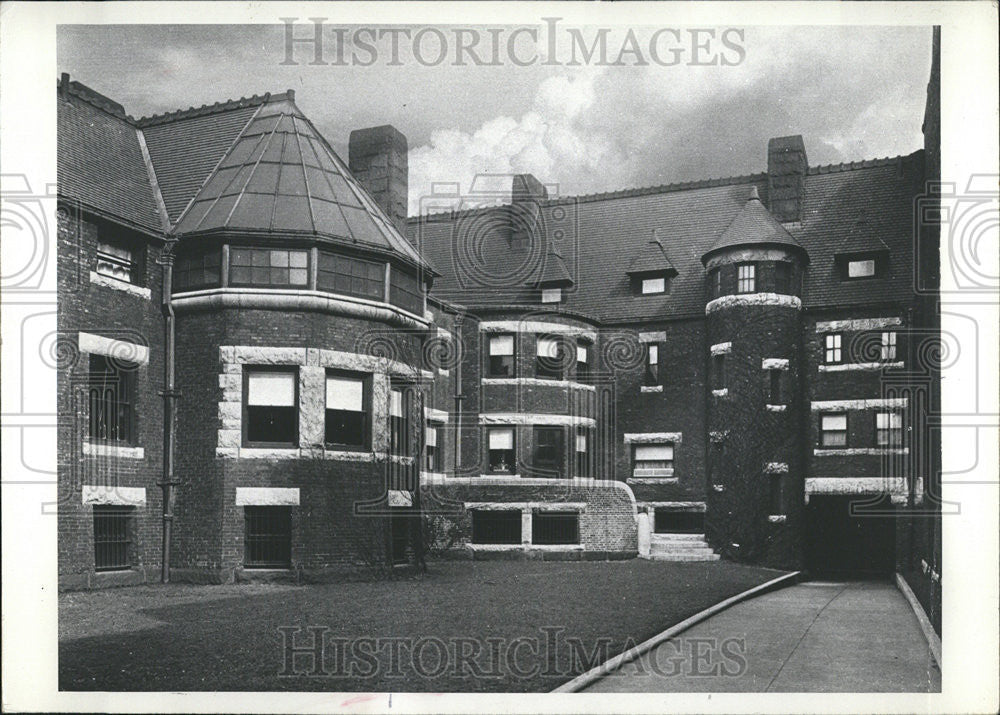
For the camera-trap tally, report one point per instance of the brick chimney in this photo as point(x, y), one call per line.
point(526, 195)
point(786, 177)
point(377, 157)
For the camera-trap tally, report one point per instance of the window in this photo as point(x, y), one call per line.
point(653, 460)
point(346, 411)
point(268, 267)
point(432, 454)
point(652, 374)
point(719, 372)
point(111, 538)
point(715, 282)
point(550, 361)
point(405, 291)
point(746, 278)
point(350, 276)
point(833, 352)
point(111, 397)
point(549, 528)
point(201, 270)
point(583, 362)
point(552, 295)
point(501, 357)
point(399, 431)
point(861, 269)
point(548, 454)
point(115, 260)
point(833, 430)
point(582, 453)
point(783, 278)
point(774, 387)
point(654, 285)
point(776, 499)
point(888, 348)
point(501, 450)
point(267, 537)
point(496, 527)
point(888, 429)
point(271, 412)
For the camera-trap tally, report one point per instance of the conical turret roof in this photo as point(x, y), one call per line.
point(281, 177)
point(754, 226)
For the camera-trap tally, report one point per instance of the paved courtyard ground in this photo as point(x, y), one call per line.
point(813, 637)
point(464, 626)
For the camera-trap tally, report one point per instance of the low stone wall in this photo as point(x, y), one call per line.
point(607, 510)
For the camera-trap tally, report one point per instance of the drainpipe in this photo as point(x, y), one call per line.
point(169, 395)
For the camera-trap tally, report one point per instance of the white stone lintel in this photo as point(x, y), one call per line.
point(527, 418)
point(776, 299)
point(656, 336)
point(777, 518)
point(774, 364)
point(832, 326)
point(651, 388)
point(433, 415)
point(525, 381)
point(856, 485)
point(860, 451)
point(776, 468)
point(102, 495)
point(652, 437)
point(131, 288)
point(722, 348)
point(118, 451)
point(860, 404)
point(776, 408)
point(111, 347)
point(267, 496)
point(848, 366)
point(652, 480)
point(536, 326)
point(721, 393)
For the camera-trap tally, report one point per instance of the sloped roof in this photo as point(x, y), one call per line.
point(651, 258)
point(754, 226)
point(280, 176)
point(603, 233)
point(100, 161)
point(554, 271)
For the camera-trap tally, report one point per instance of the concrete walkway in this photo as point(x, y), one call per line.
point(812, 637)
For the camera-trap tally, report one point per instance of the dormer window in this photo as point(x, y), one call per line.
point(552, 295)
point(651, 270)
point(862, 266)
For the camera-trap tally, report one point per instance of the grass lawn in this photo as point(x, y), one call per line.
point(464, 626)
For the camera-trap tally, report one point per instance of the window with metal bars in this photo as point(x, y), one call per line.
point(350, 276)
point(118, 261)
point(111, 538)
point(200, 270)
point(550, 528)
point(746, 278)
point(833, 353)
point(111, 397)
point(496, 526)
point(269, 268)
point(268, 537)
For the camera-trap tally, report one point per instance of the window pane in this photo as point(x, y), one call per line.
point(502, 345)
point(548, 348)
point(344, 393)
point(581, 353)
point(430, 437)
point(279, 259)
point(653, 351)
point(396, 403)
point(552, 295)
point(271, 388)
point(861, 269)
point(653, 285)
point(502, 439)
point(658, 452)
point(581, 443)
point(834, 422)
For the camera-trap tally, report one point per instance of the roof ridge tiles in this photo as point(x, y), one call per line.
point(206, 109)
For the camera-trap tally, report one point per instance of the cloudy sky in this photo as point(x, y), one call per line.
point(853, 93)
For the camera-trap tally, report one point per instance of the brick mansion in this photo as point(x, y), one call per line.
point(273, 371)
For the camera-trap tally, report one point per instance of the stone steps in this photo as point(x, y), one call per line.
point(680, 547)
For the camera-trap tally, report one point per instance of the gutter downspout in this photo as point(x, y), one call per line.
point(169, 395)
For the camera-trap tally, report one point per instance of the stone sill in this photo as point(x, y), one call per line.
point(721, 393)
point(777, 518)
point(652, 472)
point(777, 408)
point(113, 450)
point(651, 388)
point(841, 367)
point(525, 547)
point(860, 451)
point(652, 480)
point(541, 381)
point(123, 286)
point(285, 453)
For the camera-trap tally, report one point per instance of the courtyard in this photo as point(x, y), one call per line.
point(495, 626)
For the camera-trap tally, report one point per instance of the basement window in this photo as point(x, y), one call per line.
point(270, 413)
point(555, 528)
point(267, 537)
point(501, 526)
point(112, 525)
point(500, 445)
point(346, 411)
